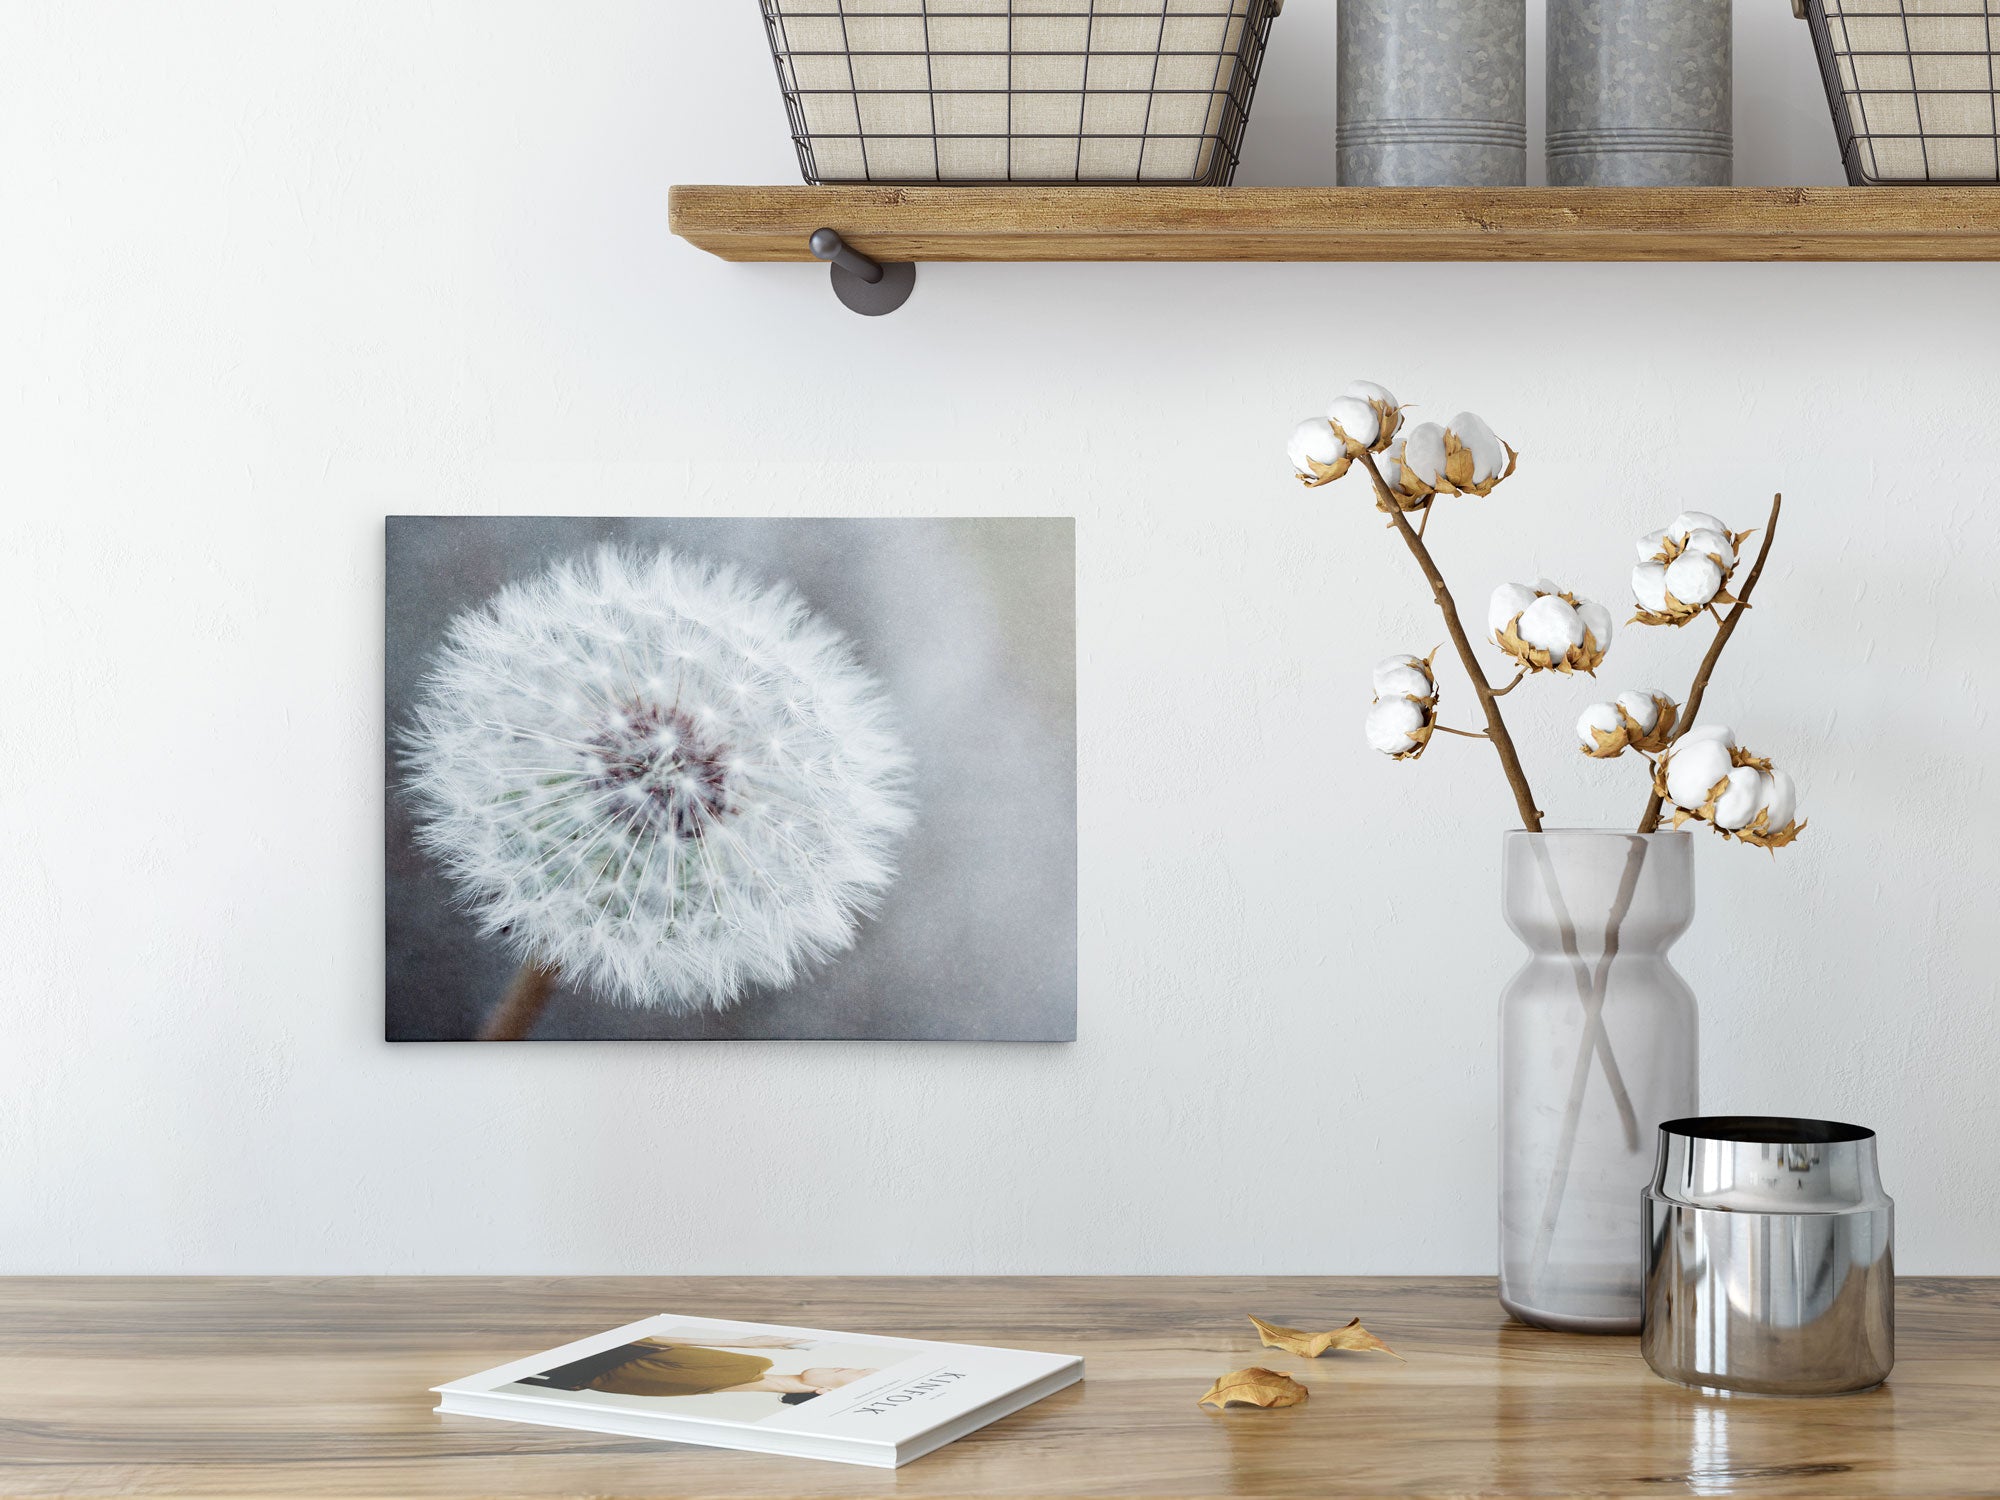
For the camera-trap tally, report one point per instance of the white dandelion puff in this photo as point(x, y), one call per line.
point(658, 777)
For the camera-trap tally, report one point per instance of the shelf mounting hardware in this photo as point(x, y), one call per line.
point(863, 285)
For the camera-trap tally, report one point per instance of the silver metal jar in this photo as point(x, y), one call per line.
point(1768, 1257)
point(1432, 93)
point(1639, 93)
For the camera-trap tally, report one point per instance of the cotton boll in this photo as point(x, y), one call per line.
point(1644, 709)
point(1697, 575)
point(1402, 681)
point(1601, 719)
point(1424, 452)
point(1509, 600)
point(1388, 666)
point(1316, 440)
point(1713, 544)
point(1690, 521)
point(1651, 545)
point(1649, 586)
point(1489, 454)
point(1650, 718)
point(1693, 578)
point(1710, 777)
point(1694, 768)
point(1599, 716)
point(1747, 791)
point(1720, 734)
point(1781, 800)
point(1546, 586)
point(1407, 491)
point(1354, 418)
point(1368, 390)
point(1551, 625)
point(1393, 724)
point(1597, 620)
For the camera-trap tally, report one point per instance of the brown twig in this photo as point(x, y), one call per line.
point(1595, 1040)
point(1470, 734)
point(1650, 822)
point(1592, 989)
point(1518, 678)
point(522, 1006)
point(1496, 725)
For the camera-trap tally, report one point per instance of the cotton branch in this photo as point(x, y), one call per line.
point(1650, 821)
point(1489, 702)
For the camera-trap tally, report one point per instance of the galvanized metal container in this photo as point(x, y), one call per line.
point(1769, 1264)
point(1432, 93)
point(1639, 93)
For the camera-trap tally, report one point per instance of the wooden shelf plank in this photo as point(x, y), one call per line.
point(1345, 224)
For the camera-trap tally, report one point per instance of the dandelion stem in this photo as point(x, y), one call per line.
point(1496, 725)
point(522, 1006)
point(1650, 821)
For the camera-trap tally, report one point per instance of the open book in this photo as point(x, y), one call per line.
point(853, 1398)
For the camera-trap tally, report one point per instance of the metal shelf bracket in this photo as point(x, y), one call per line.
point(863, 285)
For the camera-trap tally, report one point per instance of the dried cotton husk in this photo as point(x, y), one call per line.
point(1367, 417)
point(1709, 778)
point(1636, 721)
point(1318, 454)
point(1554, 631)
point(1684, 569)
point(1405, 708)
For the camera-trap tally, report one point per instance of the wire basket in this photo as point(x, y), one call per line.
point(1912, 86)
point(1036, 91)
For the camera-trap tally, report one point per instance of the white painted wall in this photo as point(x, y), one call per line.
point(273, 271)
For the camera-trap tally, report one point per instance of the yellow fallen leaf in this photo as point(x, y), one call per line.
point(1255, 1387)
point(1350, 1336)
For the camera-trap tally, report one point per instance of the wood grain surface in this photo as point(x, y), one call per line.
point(1346, 224)
point(290, 1387)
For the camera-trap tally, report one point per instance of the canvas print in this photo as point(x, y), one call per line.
point(730, 778)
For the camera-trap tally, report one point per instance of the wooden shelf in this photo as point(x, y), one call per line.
point(1364, 224)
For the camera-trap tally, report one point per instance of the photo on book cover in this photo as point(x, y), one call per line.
point(732, 778)
point(745, 1377)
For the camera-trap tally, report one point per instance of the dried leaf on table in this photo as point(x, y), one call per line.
point(1351, 1337)
point(1255, 1387)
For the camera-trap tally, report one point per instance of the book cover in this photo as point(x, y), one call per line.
point(854, 1398)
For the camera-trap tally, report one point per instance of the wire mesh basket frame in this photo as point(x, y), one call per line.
point(861, 124)
point(1920, 101)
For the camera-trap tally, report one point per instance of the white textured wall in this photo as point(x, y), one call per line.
point(270, 272)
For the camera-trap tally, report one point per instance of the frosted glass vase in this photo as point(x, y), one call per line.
point(1598, 1045)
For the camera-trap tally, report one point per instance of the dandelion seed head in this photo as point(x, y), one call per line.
point(659, 776)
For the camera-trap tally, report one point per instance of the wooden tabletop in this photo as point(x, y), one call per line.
point(297, 1387)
